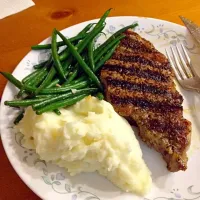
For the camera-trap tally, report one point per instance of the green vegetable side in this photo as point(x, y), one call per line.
point(68, 76)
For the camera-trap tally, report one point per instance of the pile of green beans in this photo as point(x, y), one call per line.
point(69, 76)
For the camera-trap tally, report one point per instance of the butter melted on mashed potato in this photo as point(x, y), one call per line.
point(89, 136)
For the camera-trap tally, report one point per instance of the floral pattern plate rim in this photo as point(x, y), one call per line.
point(51, 182)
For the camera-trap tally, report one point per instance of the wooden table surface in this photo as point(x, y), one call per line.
point(18, 32)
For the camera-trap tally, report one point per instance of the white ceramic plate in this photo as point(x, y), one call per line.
point(51, 182)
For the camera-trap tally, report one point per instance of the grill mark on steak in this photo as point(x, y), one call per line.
point(134, 79)
point(134, 36)
point(174, 130)
point(136, 46)
point(144, 103)
point(171, 95)
point(173, 134)
point(156, 98)
point(148, 74)
point(135, 86)
point(126, 64)
point(142, 60)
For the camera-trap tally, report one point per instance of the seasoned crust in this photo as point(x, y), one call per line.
point(138, 82)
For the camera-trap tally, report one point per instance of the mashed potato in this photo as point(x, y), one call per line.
point(89, 136)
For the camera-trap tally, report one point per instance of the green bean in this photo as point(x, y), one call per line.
point(46, 46)
point(19, 117)
point(119, 32)
point(80, 36)
point(44, 64)
point(47, 63)
point(96, 30)
point(72, 75)
point(75, 71)
point(84, 42)
point(57, 112)
point(106, 57)
point(18, 84)
point(60, 89)
point(86, 29)
point(64, 89)
point(40, 65)
point(103, 18)
point(81, 62)
point(80, 46)
point(100, 96)
point(66, 53)
point(20, 93)
point(53, 73)
point(12, 79)
point(50, 76)
point(46, 81)
point(59, 44)
point(91, 55)
point(109, 45)
point(55, 56)
point(63, 97)
point(45, 96)
point(30, 76)
point(57, 80)
point(60, 104)
point(34, 81)
point(82, 78)
point(66, 64)
point(53, 83)
point(22, 103)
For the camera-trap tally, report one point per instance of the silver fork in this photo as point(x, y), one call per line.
point(183, 68)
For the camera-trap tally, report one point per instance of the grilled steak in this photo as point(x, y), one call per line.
point(138, 82)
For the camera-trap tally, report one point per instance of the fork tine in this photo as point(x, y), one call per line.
point(177, 73)
point(189, 64)
point(185, 53)
point(178, 66)
point(185, 66)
